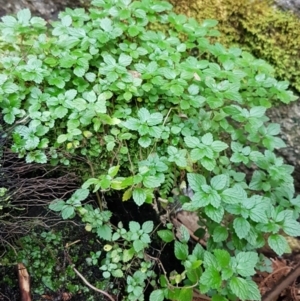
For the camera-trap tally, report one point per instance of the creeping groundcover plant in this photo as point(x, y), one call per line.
point(137, 99)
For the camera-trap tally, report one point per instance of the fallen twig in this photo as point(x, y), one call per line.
point(86, 282)
point(24, 282)
point(291, 276)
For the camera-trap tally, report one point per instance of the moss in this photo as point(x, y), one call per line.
point(256, 26)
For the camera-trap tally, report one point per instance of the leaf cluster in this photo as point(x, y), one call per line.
point(140, 110)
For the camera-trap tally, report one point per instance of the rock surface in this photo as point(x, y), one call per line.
point(47, 9)
point(293, 5)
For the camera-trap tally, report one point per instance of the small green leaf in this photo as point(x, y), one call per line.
point(223, 258)
point(104, 232)
point(211, 277)
point(218, 146)
point(185, 294)
point(128, 254)
point(80, 194)
point(278, 244)
point(166, 235)
point(291, 227)
point(216, 214)
point(196, 181)
point(220, 234)
point(67, 211)
point(234, 195)
point(62, 138)
point(24, 16)
point(138, 245)
point(133, 31)
point(144, 141)
point(219, 182)
point(57, 205)
point(245, 263)
point(134, 226)
point(241, 227)
point(209, 23)
point(181, 250)
point(157, 295)
point(147, 227)
point(125, 60)
point(244, 289)
point(113, 171)
point(208, 163)
point(139, 196)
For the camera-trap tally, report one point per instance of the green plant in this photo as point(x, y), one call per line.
point(142, 113)
point(256, 26)
point(40, 254)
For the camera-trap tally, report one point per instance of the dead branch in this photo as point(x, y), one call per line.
point(290, 278)
point(24, 282)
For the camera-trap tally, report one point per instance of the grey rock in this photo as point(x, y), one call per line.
point(291, 5)
point(47, 9)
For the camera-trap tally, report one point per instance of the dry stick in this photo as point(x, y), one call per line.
point(91, 286)
point(86, 282)
point(291, 276)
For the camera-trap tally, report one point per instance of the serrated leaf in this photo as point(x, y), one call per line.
point(196, 181)
point(157, 295)
point(106, 24)
point(207, 139)
point(211, 277)
point(67, 211)
point(244, 289)
point(152, 181)
point(239, 287)
point(220, 234)
point(10, 88)
point(125, 60)
point(216, 214)
point(192, 142)
point(154, 119)
point(166, 235)
point(208, 163)
point(218, 146)
point(144, 141)
point(223, 258)
point(133, 31)
point(79, 71)
point(104, 232)
point(138, 245)
point(184, 234)
point(118, 273)
point(81, 194)
point(139, 196)
point(181, 250)
point(24, 16)
point(278, 244)
point(234, 195)
point(193, 89)
point(147, 227)
point(9, 118)
point(219, 182)
point(209, 23)
point(245, 263)
point(241, 227)
point(291, 227)
point(127, 195)
point(186, 294)
point(57, 205)
point(128, 254)
point(134, 226)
